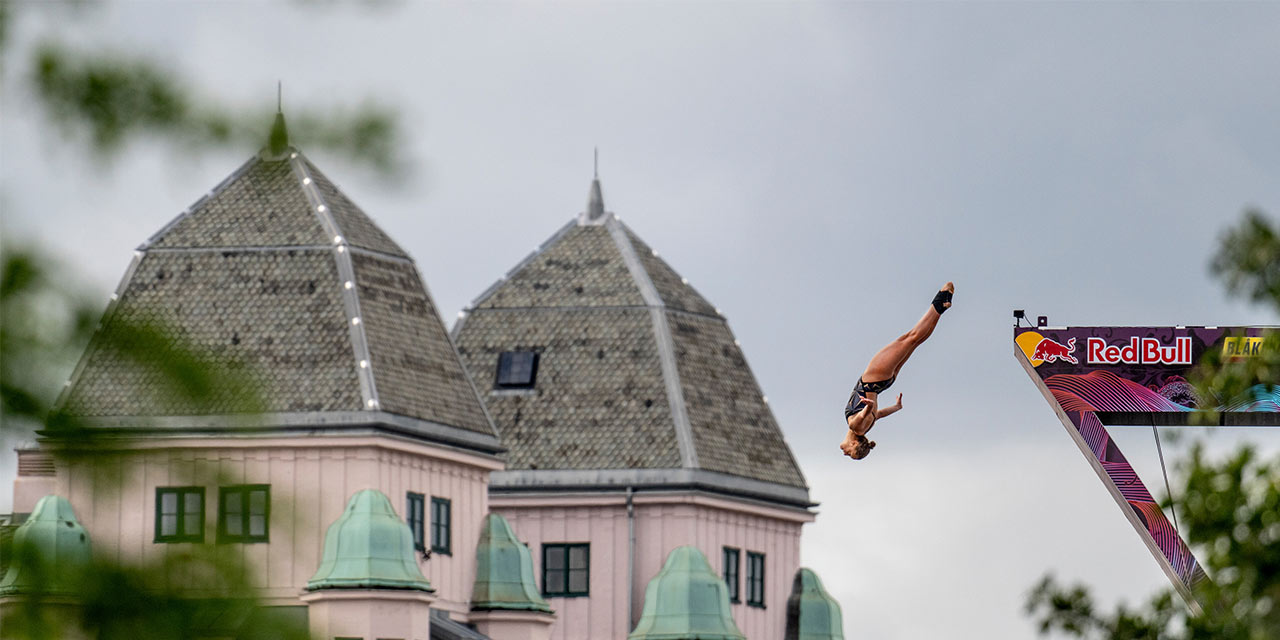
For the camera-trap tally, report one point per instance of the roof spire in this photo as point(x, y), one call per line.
point(278, 142)
point(595, 200)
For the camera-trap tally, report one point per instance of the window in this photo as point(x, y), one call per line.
point(179, 514)
point(243, 513)
point(731, 558)
point(440, 520)
point(566, 569)
point(517, 369)
point(413, 515)
point(755, 579)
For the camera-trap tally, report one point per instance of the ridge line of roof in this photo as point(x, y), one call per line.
point(340, 230)
point(350, 296)
point(244, 168)
point(244, 249)
point(542, 248)
point(629, 307)
point(767, 407)
point(282, 247)
point(662, 336)
point(683, 280)
point(724, 319)
point(389, 256)
point(113, 305)
point(466, 373)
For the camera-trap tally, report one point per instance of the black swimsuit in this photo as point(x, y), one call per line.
point(860, 390)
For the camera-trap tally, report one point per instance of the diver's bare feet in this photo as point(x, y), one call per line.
point(942, 301)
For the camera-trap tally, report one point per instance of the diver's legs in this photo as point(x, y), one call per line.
point(888, 361)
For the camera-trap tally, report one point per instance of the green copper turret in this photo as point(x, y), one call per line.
point(504, 571)
point(368, 547)
point(49, 549)
point(812, 614)
point(686, 601)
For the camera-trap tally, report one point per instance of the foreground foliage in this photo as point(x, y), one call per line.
point(1229, 508)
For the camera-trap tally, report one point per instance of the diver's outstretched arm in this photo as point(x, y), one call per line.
point(890, 410)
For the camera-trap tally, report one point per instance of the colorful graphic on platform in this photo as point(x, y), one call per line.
point(1086, 371)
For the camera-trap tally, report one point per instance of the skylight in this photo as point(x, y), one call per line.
point(517, 369)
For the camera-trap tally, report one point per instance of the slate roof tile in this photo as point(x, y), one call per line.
point(277, 314)
point(358, 229)
point(671, 287)
point(415, 367)
point(733, 428)
point(583, 268)
point(261, 206)
point(251, 277)
point(581, 306)
point(599, 401)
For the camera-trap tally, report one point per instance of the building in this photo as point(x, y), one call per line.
point(624, 401)
point(344, 450)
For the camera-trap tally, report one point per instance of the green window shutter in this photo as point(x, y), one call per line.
point(732, 560)
point(413, 517)
point(441, 526)
point(755, 579)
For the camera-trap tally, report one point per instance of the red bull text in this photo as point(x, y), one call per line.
point(1140, 351)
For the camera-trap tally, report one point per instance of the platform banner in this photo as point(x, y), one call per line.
point(1140, 369)
point(1099, 376)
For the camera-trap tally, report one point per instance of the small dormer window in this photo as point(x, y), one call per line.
point(517, 369)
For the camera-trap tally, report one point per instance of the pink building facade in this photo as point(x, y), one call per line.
point(591, 397)
point(310, 481)
point(661, 522)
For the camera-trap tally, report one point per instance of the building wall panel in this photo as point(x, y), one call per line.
point(661, 524)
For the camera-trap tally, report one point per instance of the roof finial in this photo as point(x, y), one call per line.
point(278, 142)
point(595, 201)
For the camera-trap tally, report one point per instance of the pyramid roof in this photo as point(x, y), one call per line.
point(278, 272)
point(640, 380)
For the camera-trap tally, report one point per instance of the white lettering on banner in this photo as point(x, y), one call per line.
point(1140, 351)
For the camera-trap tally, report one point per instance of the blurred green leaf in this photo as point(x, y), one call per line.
point(1230, 513)
point(44, 325)
point(112, 99)
point(1248, 260)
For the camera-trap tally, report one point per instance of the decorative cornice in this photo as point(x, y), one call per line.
point(604, 480)
point(292, 423)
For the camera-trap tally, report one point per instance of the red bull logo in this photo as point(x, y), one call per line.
point(1040, 349)
point(1050, 350)
point(1140, 351)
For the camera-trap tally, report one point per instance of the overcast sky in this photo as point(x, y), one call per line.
point(816, 171)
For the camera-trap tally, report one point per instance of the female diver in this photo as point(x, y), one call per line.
point(862, 412)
